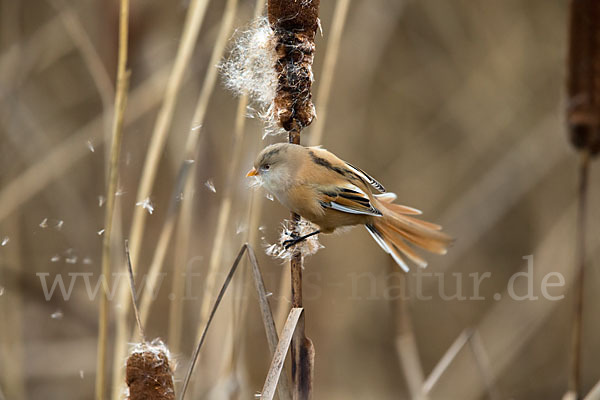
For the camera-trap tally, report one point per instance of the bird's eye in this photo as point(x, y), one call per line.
point(266, 167)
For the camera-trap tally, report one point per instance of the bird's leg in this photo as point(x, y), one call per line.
point(290, 242)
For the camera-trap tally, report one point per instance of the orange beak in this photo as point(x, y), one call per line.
point(252, 172)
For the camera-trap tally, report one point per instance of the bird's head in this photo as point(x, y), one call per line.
point(274, 166)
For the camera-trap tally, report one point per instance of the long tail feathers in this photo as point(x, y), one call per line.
point(396, 231)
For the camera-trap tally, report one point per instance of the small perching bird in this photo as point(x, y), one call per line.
point(331, 193)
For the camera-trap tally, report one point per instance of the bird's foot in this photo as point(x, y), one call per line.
point(290, 242)
point(295, 239)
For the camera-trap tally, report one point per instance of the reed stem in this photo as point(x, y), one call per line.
point(113, 175)
point(576, 332)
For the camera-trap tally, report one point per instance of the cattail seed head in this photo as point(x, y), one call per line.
point(149, 372)
point(294, 24)
point(583, 86)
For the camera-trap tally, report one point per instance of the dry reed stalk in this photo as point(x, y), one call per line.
point(12, 349)
point(52, 165)
point(91, 58)
point(191, 29)
point(231, 345)
point(162, 245)
point(583, 119)
point(223, 217)
point(484, 366)
point(149, 368)
point(181, 268)
point(285, 286)
point(224, 213)
point(524, 319)
point(187, 178)
point(273, 341)
point(113, 176)
point(574, 388)
point(340, 15)
point(471, 338)
point(19, 59)
point(594, 393)
point(477, 202)
point(405, 343)
point(295, 25)
point(267, 316)
point(193, 140)
point(446, 360)
point(278, 360)
point(100, 77)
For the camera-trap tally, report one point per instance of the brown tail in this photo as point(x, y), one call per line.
point(397, 232)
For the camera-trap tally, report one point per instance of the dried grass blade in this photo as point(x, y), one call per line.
point(89, 53)
point(484, 365)
point(280, 353)
point(409, 359)
point(163, 241)
point(284, 389)
point(193, 22)
point(134, 296)
point(446, 360)
point(594, 394)
point(62, 157)
point(331, 56)
point(191, 146)
point(210, 318)
point(405, 343)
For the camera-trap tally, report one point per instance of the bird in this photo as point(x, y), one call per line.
point(331, 193)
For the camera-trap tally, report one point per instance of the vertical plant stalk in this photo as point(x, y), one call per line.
point(576, 333)
point(12, 348)
point(266, 314)
point(583, 119)
point(134, 296)
point(191, 146)
point(340, 15)
point(444, 363)
point(113, 175)
point(89, 54)
point(149, 372)
point(191, 151)
point(191, 29)
point(295, 24)
point(483, 363)
point(406, 344)
point(223, 222)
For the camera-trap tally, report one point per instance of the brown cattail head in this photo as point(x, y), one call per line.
point(583, 111)
point(294, 23)
point(149, 372)
point(294, 15)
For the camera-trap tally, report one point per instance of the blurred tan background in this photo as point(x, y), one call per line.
point(457, 106)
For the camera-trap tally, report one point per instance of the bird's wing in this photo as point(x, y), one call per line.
point(348, 198)
point(366, 177)
point(330, 161)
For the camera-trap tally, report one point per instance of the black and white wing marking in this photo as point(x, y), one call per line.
point(349, 199)
point(366, 177)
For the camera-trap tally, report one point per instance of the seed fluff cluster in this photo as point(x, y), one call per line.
point(307, 247)
point(249, 70)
